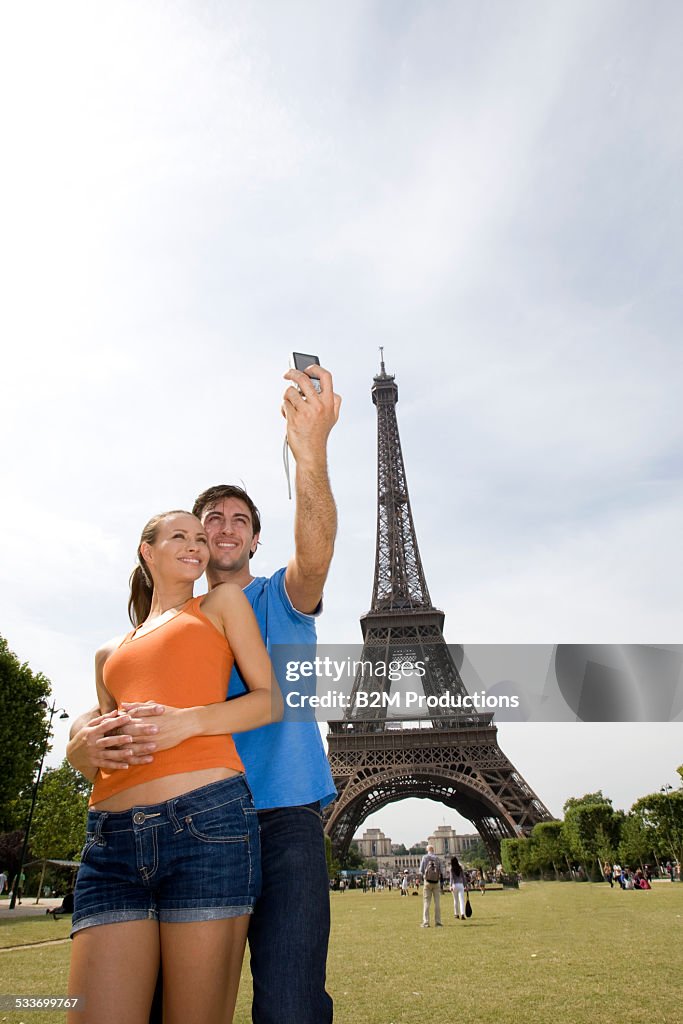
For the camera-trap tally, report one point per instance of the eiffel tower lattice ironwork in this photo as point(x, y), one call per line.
point(377, 760)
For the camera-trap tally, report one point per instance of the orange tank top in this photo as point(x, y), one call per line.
point(184, 662)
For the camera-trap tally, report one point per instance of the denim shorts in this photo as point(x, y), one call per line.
point(193, 858)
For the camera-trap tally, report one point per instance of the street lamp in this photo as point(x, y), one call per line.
point(667, 790)
point(53, 711)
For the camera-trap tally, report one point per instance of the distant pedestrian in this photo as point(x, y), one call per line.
point(430, 869)
point(19, 886)
point(458, 885)
point(607, 872)
point(405, 882)
point(3, 882)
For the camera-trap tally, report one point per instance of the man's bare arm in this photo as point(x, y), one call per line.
point(310, 418)
point(96, 741)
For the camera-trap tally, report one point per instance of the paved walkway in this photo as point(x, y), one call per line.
point(27, 908)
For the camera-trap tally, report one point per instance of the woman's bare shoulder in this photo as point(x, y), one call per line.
point(103, 652)
point(225, 595)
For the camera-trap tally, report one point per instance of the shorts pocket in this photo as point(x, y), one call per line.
point(90, 842)
point(224, 824)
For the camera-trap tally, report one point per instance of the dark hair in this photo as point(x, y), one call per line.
point(209, 498)
point(141, 585)
point(455, 867)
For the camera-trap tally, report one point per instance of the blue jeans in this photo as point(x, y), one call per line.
point(290, 926)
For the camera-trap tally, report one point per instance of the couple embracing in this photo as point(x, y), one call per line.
point(197, 840)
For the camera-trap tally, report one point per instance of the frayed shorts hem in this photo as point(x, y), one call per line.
point(186, 915)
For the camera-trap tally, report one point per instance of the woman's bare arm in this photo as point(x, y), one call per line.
point(96, 741)
point(229, 610)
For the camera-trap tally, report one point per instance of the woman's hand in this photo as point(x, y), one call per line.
point(105, 742)
point(171, 725)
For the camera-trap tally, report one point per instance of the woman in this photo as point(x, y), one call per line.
point(170, 868)
point(458, 886)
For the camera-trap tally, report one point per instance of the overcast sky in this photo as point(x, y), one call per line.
point(489, 190)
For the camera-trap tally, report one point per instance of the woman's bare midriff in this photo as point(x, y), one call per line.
point(156, 791)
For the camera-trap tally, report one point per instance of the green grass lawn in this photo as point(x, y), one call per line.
point(585, 954)
point(18, 931)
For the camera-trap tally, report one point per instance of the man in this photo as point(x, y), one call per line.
point(430, 869)
point(285, 763)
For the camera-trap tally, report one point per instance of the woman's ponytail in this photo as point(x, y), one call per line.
point(141, 589)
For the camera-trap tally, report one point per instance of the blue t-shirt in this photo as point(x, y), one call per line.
point(285, 762)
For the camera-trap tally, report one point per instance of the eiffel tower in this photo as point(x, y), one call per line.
point(455, 759)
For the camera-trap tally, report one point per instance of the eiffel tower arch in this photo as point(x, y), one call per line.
point(453, 758)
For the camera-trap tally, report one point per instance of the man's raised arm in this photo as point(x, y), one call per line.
point(310, 417)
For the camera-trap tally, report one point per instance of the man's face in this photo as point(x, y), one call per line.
point(229, 527)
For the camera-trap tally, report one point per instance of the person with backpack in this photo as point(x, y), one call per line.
point(430, 869)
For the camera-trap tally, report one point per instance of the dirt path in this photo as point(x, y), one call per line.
point(32, 945)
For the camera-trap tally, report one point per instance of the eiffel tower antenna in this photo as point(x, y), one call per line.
point(456, 759)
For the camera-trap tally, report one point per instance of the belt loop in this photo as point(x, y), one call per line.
point(245, 783)
point(101, 818)
point(171, 811)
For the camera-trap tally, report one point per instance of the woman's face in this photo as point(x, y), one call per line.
point(180, 550)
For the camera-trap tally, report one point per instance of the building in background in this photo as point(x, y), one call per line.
point(391, 863)
point(448, 844)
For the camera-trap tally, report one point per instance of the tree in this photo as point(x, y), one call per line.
point(516, 856)
point(22, 734)
point(58, 829)
point(548, 845)
point(637, 841)
point(478, 856)
point(352, 861)
point(10, 852)
point(591, 830)
point(332, 862)
point(588, 799)
point(509, 855)
point(662, 818)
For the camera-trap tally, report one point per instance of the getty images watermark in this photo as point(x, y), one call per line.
point(512, 682)
point(327, 669)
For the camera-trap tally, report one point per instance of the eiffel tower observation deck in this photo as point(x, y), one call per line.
point(451, 756)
